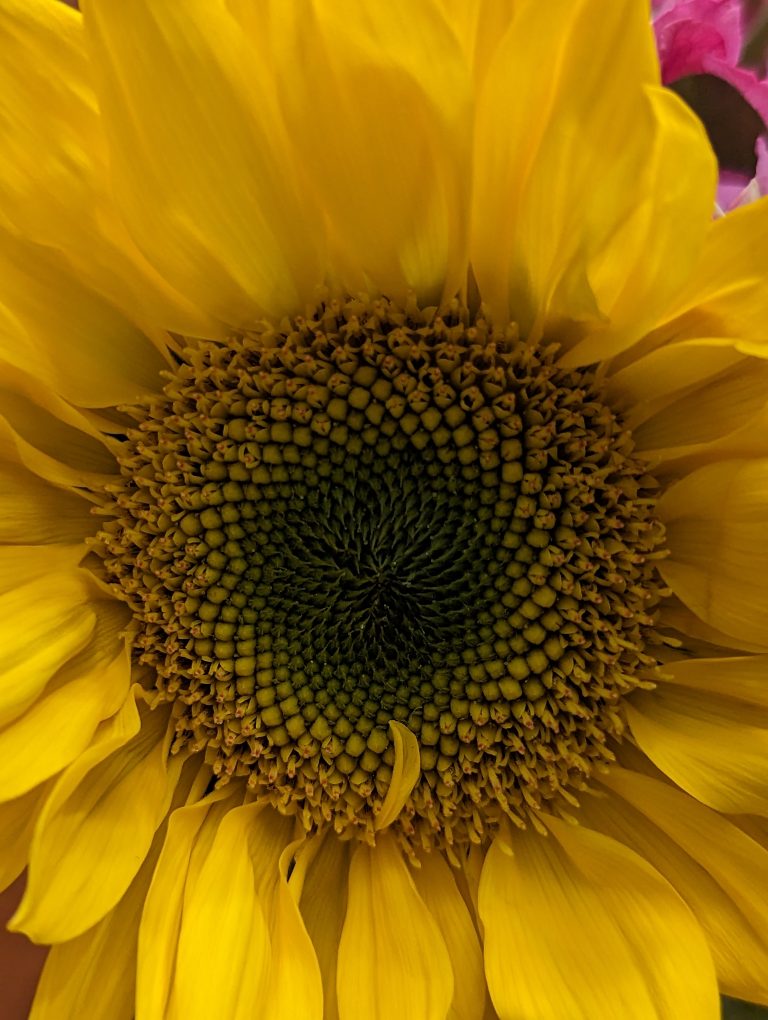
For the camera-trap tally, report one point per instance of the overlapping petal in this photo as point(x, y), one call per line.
point(726, 293)
point(85, 852)
point(707, 729)
point(205, 178)
point(54, 182)
point(573, 217)
point(719, 871)
point(718, 542)
point(436, 884)
point(87, 689)
point(568, 921)
point(393, 961)
point(323, 907)
point(82, 346)
point(394, 189)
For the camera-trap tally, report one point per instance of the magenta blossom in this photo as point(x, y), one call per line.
point(705, 37)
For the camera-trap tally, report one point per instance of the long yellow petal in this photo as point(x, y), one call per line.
point(719, 871)
point(94, 975)
point(707, 412)
point(324, 906)
point(49, 110)
point(83, 857)
point(225, 975)
point(436, 884)
point(394, 188)
point(295, 986)
point(33, 512)
point(575, 218)
point(479, 25)
point(717, 534)
point(726, 294)
point(59, 726)
point(709, 732)
point(43, 624)
point(54, 178)
point(650, 383)
point(651, 252)
point(14, 449)
point(205, 178)
point(578, 926)
point(393, 961)
point(51, 424)
point(82, 346)
point(190, 833)
point(699, 635)
point(20, 564)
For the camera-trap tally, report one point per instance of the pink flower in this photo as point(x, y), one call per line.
point(705, 37)
point(697, 36)
point(734, 190)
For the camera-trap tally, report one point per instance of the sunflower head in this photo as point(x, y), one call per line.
point(383, 516)
point(375, 516)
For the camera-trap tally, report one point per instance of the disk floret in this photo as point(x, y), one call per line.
point(375, 514)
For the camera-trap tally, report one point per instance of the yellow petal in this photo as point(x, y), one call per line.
point(697, 634)
point(578, 926)
point(709, 732)
point(479, 25)
point(83, 857)
point(700, 401)
point(719, 871)
point(748, 441)
point(190, 834)
point(49, 118)
point(650, 382)
point(17, 822)
point(707, 412)
point(43, 624)
point(94, 975)
point(205, 177)
point(225, 975)
point(405, 773)
point(90, 687)
point(323, 907)
point(290, 979)
point(82, 346)
point(472, 869)
point(739, 677)
point(54, 186)
point(294, 987)
point(14, 449)
point(574, 217)
point(393, 961)
point(52, 425)
point(651, 253)
point(35, 513)
point(717, 534)
point(726, 294)
point(436, 884)
point(20, 564)
point(394, 188)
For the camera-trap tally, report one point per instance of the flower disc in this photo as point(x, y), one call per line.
point(374, 515)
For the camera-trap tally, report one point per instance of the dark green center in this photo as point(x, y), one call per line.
point(373, 571)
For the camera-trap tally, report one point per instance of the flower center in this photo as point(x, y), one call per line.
point(374, 515)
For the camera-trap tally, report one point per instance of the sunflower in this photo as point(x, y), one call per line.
point(384, 516)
